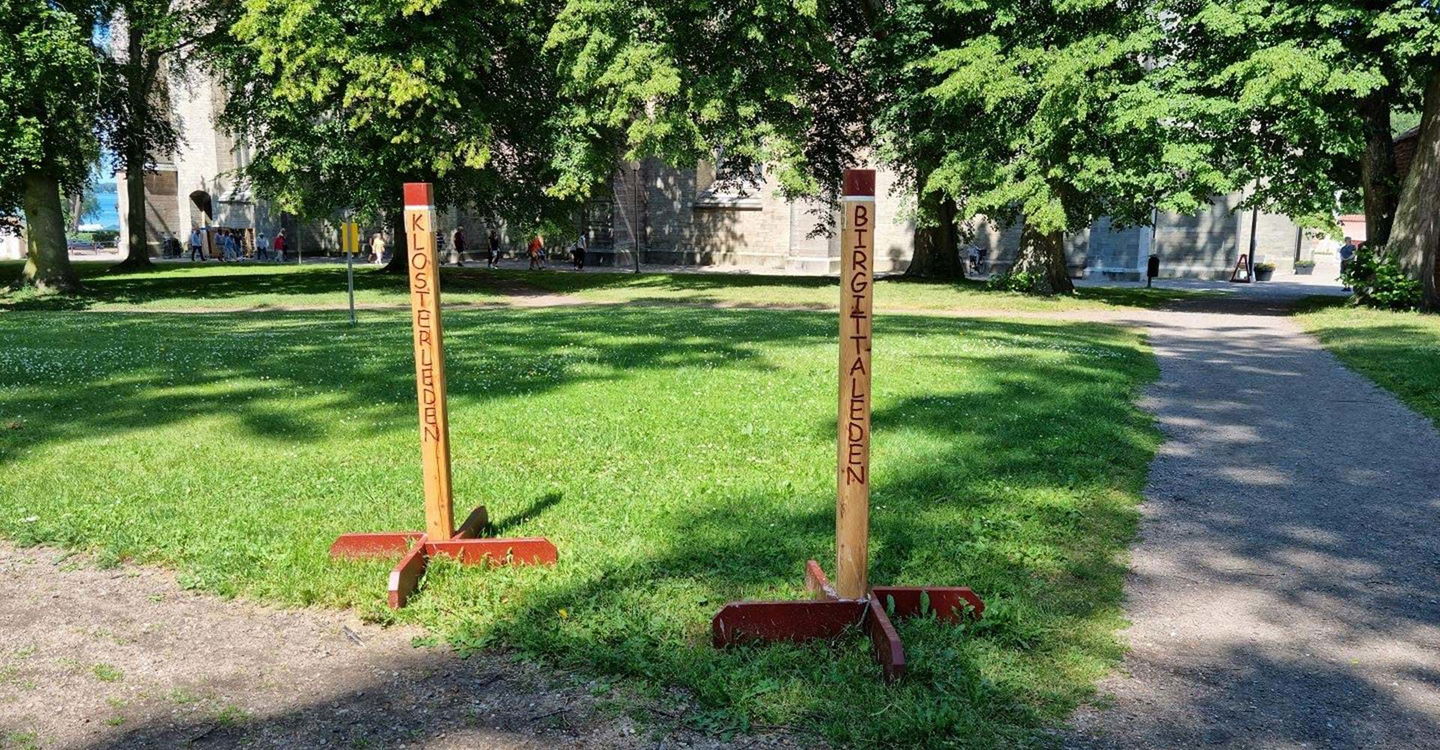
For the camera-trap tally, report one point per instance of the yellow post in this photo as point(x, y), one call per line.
point(857, 276)
point(429, 359)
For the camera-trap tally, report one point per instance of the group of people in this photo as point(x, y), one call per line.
point(229, 245)
point(226, 245)
point(534, 251)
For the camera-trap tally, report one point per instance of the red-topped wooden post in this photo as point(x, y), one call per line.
point(852, 603)
point(441, 537)
point(429, 359)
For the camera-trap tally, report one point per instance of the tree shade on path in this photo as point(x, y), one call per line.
point(1283, 591)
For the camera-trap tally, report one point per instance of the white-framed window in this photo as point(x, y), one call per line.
point(719, 185)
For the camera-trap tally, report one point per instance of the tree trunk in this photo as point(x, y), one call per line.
point(937, 249)
point(47, 259)
point(137, 241)
point(75, 207)
point(1415, 241)
point(1042, 255)
point(400, 256)
point(1377, 168)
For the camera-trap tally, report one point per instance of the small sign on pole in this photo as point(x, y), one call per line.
point(350, 244)
point(441, 536)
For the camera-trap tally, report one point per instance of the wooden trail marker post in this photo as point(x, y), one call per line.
point(852, 603)
point(441, 536)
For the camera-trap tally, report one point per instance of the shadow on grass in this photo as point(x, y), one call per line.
point(261, 285)
point(983, 485)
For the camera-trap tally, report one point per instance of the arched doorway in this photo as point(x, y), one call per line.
point(202, 201)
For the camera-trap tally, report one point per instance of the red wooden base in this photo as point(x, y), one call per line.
point(828, 616)
point(415, 550)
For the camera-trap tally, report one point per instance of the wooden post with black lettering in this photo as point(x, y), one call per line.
point(857, 293)
point(429, 359)
point(467, 543)
point(835, 610)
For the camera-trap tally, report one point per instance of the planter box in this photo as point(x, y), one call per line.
point(1264, 275)
point(1304, 270)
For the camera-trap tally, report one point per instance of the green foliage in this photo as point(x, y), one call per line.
point(1279, 85)
point(48, 84)
point(1379, 281)
point(761, 81)
point(343, 101)
point(1025, 282)
point(1056, 113)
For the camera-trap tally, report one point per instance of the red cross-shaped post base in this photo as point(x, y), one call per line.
point(827, 616)
point(415, 550)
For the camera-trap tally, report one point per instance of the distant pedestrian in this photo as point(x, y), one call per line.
point(492, 255)
point(171, 247)
point(377, 248)
point(1347, 257)
point(278, 245)
point(262, 246)
point(197, 245)
point(228, 249)
point(578, 253)
point(457, 245)
point(537, 252)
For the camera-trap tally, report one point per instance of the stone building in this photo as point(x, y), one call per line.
point(675, 216)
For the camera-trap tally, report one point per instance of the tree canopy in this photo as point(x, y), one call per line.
point(343, 101)
point(49, 86)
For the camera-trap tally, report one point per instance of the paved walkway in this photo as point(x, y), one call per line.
point(1286, 588)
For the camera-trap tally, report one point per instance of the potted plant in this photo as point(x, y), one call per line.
point(1304, 267)
point(1264, 270)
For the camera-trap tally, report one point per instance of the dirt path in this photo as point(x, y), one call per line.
point(124, 658)
point(1286, 589)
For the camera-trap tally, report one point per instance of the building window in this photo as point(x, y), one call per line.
point(728, 183)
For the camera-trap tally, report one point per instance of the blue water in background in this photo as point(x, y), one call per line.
point(107, 214)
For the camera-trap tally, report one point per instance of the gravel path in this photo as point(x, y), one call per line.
point(1285, 592)
point(124, 658)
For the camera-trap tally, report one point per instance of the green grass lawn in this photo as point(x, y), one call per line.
point(259, 286)
point(679, 458)
point(1400, 351)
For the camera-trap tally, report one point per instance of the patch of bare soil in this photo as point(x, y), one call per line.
point(125, 658)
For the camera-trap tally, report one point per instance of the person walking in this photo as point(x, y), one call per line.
point(171, 247)
point(227, 246)
point(537, 251)
point(577, 253)
point(457, 245)
point(492, 255)
point(1347, 257)
point(377, 248)
point(278, 245)
point(197, 245)
point(262, 246)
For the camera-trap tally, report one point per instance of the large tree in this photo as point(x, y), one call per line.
point(1416, 241)
point(742, 84)
point(1040, 112)
point(1302, 92)
point(150, 39)
point(48, 84)
point(341, 102)
point(1058, 113)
